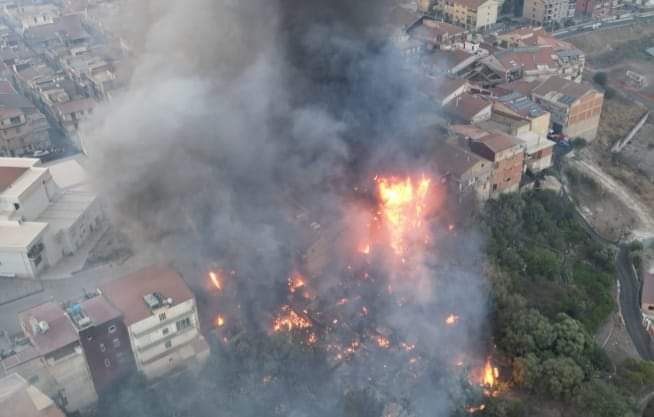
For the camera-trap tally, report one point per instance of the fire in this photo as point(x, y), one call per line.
point(404, 206)
point(365, 248)
point(451, 319)
point(219, 321)
point(215, 280)
point(295, 282)
point(382, 342)
point(474, 409)
point(490, 374)
point(288, 319)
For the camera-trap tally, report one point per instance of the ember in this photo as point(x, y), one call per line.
point(288, 320)
point(219, 321)
point(451, 319)
point(215, 280)
point(295, 281)
point(382, 342)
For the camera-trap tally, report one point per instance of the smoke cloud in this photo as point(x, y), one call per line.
point(249, 132)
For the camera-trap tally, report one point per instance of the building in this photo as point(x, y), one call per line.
point(23, 129)
point(442, 90)
point(575, 107)
point(529, 36)
point(505, 152)
point(18, 398)
point(456, 62)
point(41, 221)
point(71, 113)
point(647, 301)
point(548, 12)
point(464, 172)
point(55, 360)
point(161, 316)
point(469, 108)
point(474, 15)
point(437, 35)
point(598, 8)
point(518, 114)
point(29, 16)
point(104, 339)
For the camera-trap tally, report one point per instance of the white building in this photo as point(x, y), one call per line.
point(41, 218)
point(161, 316)
point(29, 16)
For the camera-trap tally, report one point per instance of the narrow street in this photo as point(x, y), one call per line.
point(630, 304)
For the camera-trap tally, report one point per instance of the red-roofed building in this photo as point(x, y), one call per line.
point(505, 152)
point(161, 316)
point(55, 359)
point(468, 108)
point(435, 34)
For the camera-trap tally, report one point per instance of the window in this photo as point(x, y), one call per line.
point(183, 324)
point(165, 331)
point(107, 363)
point(168, 344)
point(116, 343)
point(102, 347)
point(162, 316)
point(112, 328)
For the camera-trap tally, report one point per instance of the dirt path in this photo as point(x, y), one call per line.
point(645, 227)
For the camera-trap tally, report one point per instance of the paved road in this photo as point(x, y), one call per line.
point(629, 292)
point(630, 303)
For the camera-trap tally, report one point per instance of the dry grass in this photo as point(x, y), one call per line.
point(618, 117)
point(602, 41)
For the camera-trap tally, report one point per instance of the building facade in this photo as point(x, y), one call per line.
point(161, 316)
point(575, 108)
point(548, 12)
point(474, 15)
point(40, 222)
point(104, 339)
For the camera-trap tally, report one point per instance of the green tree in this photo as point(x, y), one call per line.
point(527, 371)
point(561, 377)
point(597, 398)
point(570, 337)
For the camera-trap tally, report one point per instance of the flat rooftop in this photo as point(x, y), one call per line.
point(15, 236)
point(67, 208)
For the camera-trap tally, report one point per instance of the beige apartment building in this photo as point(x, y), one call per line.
point(475, 15)
point(547, 12)
point(161, 316)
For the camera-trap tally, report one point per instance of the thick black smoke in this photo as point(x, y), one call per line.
point(245, 130)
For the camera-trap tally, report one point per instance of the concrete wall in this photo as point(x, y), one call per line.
point(158, 345)
point(73, 377)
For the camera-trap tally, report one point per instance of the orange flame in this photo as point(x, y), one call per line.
point(295, 282)
point(215, 280)
point(474, 409)
point(382, 342)
point(451, 319)
point(490, 374)
point(404, 206)
point(288, 320)
point(219, 321)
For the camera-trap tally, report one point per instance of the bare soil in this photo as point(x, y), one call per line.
point(601, 42)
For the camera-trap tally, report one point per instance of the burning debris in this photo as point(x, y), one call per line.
point(369, 300)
